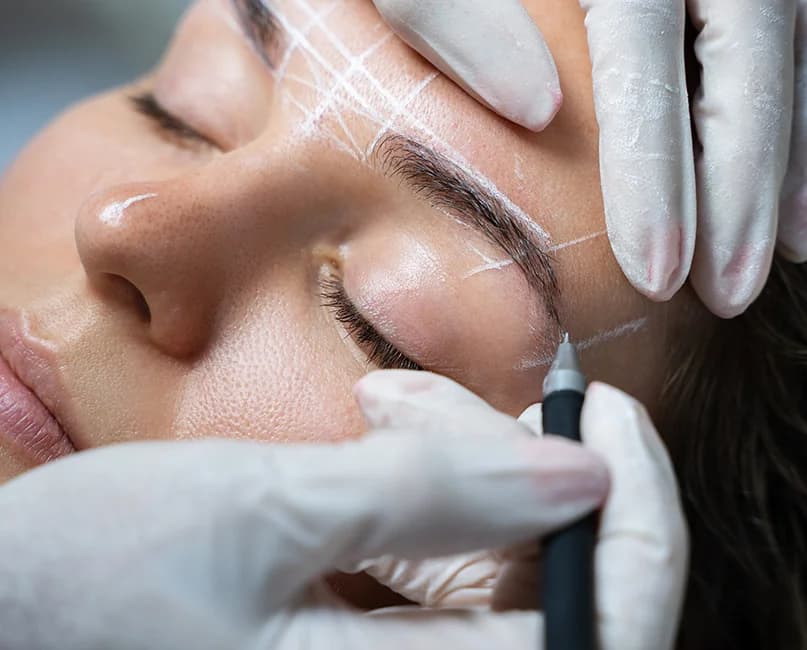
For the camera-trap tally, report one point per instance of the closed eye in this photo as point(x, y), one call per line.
point(169, 125)
point(379, 351)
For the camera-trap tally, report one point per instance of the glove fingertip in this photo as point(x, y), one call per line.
point(393, 382)
point(494, 51)
point(728, 281)
point(604, 397)
point(656, 266)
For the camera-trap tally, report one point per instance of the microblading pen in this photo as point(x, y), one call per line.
point(568, 555)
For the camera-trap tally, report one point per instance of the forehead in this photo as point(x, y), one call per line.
point(344, 78)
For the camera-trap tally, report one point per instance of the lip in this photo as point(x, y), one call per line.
point(30, 395)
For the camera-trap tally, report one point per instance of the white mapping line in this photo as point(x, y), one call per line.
point(393, 101)
point(355, 64)
point(488, 263)
point(308, 84)
point(575, 242)
point(280, 73)
point(411, 97)
point(112, 214)
point(489, 266)
point(339, 78)
point(344, 146)
point(626, 329)
point(311, 119)
point(358, 153)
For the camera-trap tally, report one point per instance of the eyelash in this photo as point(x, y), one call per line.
point(379, 351)
point(146, 104)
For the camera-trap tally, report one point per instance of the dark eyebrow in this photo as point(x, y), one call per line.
point(261, 27)
point(445, 186)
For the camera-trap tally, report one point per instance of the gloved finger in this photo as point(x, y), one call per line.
point(532, 418)
point(646, 165)
point(642, 550)
point(517, 585)
point(418, 497)
point(407, 628)
point(462, 580)
point(793, 211)
point(493, 50)
point(431, 404)
point(428, 403)
point(743, 115)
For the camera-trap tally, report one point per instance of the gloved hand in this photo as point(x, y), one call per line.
point(793, 220)
point(668, 208)
point(223, 544)
point(642, 549)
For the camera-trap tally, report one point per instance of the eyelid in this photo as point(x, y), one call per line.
point(377, 348)
point(147, 104)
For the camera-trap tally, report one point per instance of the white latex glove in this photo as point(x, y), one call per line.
point(222, 544)
point(793, 220)
point(669, 210)
point(642, 548)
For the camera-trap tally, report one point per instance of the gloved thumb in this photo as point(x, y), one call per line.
point(493, 50)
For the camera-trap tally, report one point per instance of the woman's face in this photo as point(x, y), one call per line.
point(290, 200)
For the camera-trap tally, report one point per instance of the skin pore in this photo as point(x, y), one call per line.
point(181, 258)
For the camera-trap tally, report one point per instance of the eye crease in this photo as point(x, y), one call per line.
point(167, 124)
point(379, 351)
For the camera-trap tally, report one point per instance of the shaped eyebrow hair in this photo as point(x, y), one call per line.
point(261, 27)
point(448, 188)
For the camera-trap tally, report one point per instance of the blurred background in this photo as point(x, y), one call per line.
point(54, 52)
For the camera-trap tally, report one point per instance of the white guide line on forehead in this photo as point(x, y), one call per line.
point(626, 329)
point(296, 35)
point(397, 107)
point(113, 213)
point(580, 240)
point(488, 266)
point(401, 109)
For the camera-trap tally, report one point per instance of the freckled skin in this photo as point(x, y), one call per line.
point(228, 252)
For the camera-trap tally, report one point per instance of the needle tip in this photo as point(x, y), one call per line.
point(566, 337)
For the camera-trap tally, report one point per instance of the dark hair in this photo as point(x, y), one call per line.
point(736, 426)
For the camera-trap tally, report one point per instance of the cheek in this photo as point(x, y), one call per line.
point(274, 376)
point(39, 199)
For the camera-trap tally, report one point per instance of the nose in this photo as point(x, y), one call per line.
point(189, 255)
point(149, 247)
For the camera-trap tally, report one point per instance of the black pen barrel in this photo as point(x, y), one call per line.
point(568, 555)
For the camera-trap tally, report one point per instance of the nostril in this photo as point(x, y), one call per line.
point(119, 288)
